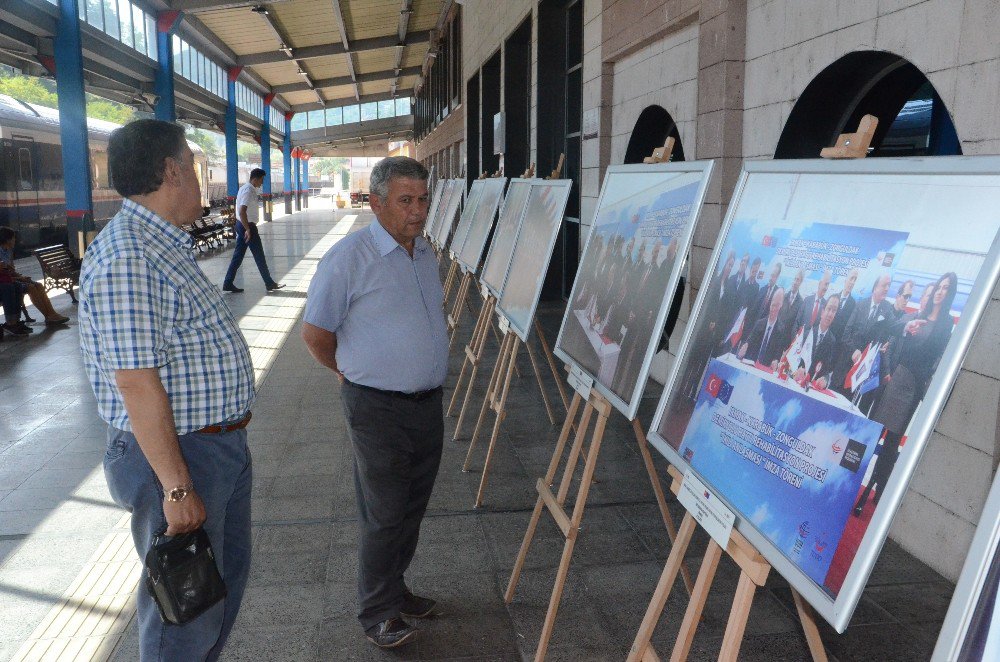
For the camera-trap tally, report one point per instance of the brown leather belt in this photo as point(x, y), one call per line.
point(220, 428)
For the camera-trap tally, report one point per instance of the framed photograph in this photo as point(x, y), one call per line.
point(628, 273)
point(971, 630)
point(543, 215)
point(831, 324)
point(482, 222)
point(448, 218)
point(433, 210)
point(502, 247)
point(465, 221)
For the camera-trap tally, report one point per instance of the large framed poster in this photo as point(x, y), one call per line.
point(468, 213)
point(433, 209)
point(628, 273)
point(439, 207)
point(502, 247)
point(447, 222)
point(833, 320)
point(543, 215)
point(471, 251)
point(971, 630)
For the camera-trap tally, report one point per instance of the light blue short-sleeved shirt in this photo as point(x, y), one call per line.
point(386, 309)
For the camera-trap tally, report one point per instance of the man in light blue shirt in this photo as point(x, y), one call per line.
point(374, 315)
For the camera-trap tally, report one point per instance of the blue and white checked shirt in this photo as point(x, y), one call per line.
point(145, 303)
point(386, 309)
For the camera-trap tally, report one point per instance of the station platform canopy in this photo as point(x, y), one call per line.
point(346, 69)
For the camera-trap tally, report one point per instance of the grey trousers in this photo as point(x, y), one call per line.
point(397, 450)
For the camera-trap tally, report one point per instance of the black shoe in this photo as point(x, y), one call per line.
point(391, 633)
point(275, 286)
point(232, 288)
point(16, 329)
point(25, 327)
point(415, 606)
point(27, 319)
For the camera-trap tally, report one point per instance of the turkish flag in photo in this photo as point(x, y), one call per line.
point(713, 385)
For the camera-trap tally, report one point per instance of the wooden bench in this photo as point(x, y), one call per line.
point(60, 269)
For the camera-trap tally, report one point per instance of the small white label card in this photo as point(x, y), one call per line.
point(713, 515)
point(580, 381)
point(504, 324)
point(485, 290)
point(451, 254)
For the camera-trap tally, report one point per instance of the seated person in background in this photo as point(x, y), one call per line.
point(12, 309)
point(23, 284)
point(824, 346)
point(765, 344)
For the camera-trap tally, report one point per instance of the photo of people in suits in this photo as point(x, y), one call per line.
point(627, 273)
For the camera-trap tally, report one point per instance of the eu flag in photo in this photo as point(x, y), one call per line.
point(725, 391)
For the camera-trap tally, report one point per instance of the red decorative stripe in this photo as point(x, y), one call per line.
point(78, 213)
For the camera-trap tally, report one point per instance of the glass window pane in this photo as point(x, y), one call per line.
point(95, 14)
point(369, 111)
point(151, 38)
point(334, 116)
point(316, 119)
point(351, 114)
point(402, 107)
point(177, 54)
point(125, 16)
point(386, 109)
point(298, 122)
point(201, 70)
point(139, 29)
point(111, 18)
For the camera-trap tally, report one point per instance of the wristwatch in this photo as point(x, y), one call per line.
point(179, 493)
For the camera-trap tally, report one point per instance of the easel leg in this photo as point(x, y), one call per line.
point(458, 387)
point(661, 501)
point(738, 616)
point(581, 503)
point(808, 619)
point(674, 564)
point(471, 350)
point(549, 475)
point(501, 412)
point(552, 363)
point(490, 390)
point(709, 564)
point(541, 384)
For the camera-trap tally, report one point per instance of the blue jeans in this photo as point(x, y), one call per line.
point(256, 248)
point(221, 470)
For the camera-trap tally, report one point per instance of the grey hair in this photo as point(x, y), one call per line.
point(394, 167)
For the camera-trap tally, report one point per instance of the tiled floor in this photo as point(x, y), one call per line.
point(300, 604)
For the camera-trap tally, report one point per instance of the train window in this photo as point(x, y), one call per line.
point(111, 18)
point(24, 169)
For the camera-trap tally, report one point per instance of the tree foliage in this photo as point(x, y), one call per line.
point(44, 93)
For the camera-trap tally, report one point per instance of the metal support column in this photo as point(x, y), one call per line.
point(305, 179)
point(232, 156)
point(298, 178)
point(265, 157)
point(166, 23)
point(287, 153)
point(73, 128)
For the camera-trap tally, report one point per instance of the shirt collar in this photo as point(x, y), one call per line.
point(170, 230)
point(385, 244)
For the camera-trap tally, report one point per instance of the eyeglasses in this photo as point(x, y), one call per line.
point(905, 296)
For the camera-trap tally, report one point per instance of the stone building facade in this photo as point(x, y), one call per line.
point(729, 74)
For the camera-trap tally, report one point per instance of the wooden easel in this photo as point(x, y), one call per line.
point(468, 278)
point(476, 347)
point(754, 568)
point(570, 525)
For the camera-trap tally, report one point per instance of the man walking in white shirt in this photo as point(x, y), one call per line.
point(247, 215)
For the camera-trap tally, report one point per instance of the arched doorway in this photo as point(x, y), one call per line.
point(913, 120)
point(651, 131)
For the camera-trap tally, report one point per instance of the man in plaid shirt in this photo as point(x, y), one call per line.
point(173, 379)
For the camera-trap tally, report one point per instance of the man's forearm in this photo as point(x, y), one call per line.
point(322, 344)
point(152, 422)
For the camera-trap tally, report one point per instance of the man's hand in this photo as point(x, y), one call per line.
point(185, 515)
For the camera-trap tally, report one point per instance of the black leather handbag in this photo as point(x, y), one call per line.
point(182, 576)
